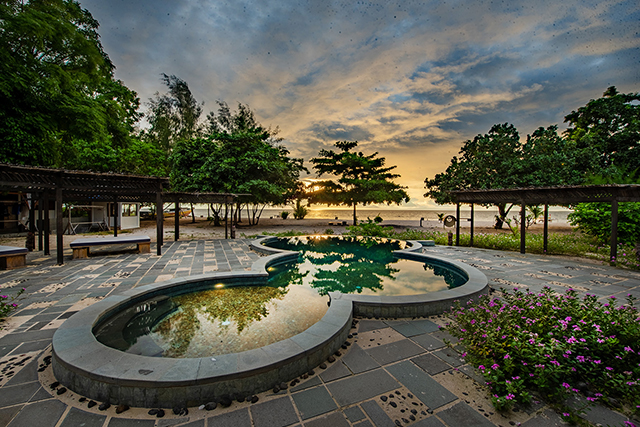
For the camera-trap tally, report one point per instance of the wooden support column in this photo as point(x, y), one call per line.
point(523, 236)
point(32, 214)
point(226, 220)
point(59, 228)
point(176, 225)
point(159, 218)
point(613, 256)
point(47, 225)
point(457, 224)
point(471, 237)
point(116, 218)
point(545, 232)
point(40, 222)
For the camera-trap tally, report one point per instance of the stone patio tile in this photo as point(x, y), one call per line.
point(313, 402)
point(450, 356)
point(361, 387)
point(354, 414)
point(336, 371)
point(394, 351)
point(307, 384)
point(333, 420)
point(77, 417)
point(428, 341)
point(41, 414)
point(274, 413)
point(32, 346)
point(548, 418)
point(358, 360)
point(430, 364)
point(168, 423)
point(377, 414)
point(370, 325)
point(18, 393)
point(426, 325)
point(365, 423)
point(425, 388)
point(41, 394)
point(7, 414)
point(462, 414)
point(28, 373)
point(408, 329)
point(429, 422)
point(126, 422)
point(239, 418)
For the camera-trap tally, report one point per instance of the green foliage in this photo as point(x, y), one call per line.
point(606, 132)
point(499, 159)
point(59, 101)
point(370, 229)
point(284, 214)
point(7, 304)
point(556, 345)
point(595, 219)
point(300, 211)
point(378, 219)
point(361, 179)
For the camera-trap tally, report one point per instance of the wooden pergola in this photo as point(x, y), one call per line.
point(535, 196)
point(64, 186)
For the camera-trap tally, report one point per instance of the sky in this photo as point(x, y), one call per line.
point(411, 80)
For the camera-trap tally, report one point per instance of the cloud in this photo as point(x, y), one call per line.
point(402, 77)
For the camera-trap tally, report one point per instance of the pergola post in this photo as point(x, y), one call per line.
point(614, 232)
point(523, 237)
point(545, 232)
point(116, 217)
point(47, 225)
point(176, 227)
point(226, 220)
point(59, 230)
point(159, 217)
point(458, 224)
point(40, 221)
point(471, 231)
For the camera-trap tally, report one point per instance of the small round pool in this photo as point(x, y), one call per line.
point(360, 265)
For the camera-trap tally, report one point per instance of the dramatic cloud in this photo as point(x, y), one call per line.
point(411, 80)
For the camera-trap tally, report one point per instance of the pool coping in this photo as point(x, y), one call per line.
point(90, 368)
point(429, 304)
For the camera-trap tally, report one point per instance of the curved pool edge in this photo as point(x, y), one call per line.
point(96, 371)
point(428, 304)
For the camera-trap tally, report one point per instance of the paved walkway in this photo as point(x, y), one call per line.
point(391, 373)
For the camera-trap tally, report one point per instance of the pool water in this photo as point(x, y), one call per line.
point(359, 265)
point(219, 320)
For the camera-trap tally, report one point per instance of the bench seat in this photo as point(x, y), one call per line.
point(81, 247)
point(12, 257)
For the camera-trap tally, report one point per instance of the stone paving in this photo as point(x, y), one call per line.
point(389, 373)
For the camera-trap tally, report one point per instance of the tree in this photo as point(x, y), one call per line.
point(499, 159)
point(606, 132)
point(59, 101)
point(361, 179)
point(239, 160)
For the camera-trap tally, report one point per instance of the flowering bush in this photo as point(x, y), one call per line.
point(555, 344)
point(7, 304)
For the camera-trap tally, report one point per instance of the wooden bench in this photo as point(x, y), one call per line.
point(337, 222)
point(81, 246)
point(12, 257)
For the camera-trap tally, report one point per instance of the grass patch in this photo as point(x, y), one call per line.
point(556, 345)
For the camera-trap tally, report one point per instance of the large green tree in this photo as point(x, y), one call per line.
point(361, 179)
point(238, 159)
point(606, 132)
point(60, 104)
point(500, 159)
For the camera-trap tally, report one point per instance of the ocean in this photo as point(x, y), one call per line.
point(480, 214)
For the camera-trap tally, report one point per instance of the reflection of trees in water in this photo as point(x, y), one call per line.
point(451, 278)
point(363, 263)
point(241, 305)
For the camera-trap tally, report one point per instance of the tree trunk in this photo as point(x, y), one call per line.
point(193, 215)
point(355, 219)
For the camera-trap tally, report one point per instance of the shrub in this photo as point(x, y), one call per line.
point(557, 345)
point(369, 228)
point(284, 214)
point(300, 211)
point(595, 219)
point(7, 304)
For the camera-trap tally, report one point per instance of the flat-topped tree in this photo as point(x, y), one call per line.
point(361, 179)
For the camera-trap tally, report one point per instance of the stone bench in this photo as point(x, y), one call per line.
point(12, 257)
point(81, 246)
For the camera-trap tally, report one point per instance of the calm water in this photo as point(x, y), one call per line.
point(359, 265)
